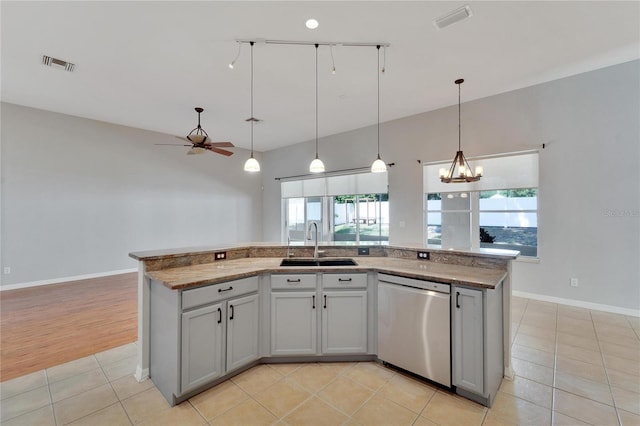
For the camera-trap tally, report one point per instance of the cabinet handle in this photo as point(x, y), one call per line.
point(457, 299)
point(325, 301)
point(222, 290)
point(313, 298)
point(289, 280)
point(219, 315)
point(231, 308)
point(344, 280)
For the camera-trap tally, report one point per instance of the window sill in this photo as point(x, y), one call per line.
point(527, 259)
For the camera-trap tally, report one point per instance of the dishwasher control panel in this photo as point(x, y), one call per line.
point(415, 283)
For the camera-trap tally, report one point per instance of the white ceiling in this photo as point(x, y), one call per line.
point(147, 64)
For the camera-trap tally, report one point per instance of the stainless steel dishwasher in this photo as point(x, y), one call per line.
point(414, 326)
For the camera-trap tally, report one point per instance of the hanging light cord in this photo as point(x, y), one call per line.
point(378, 74)
point(459, 84)
point(252, 119)
point(316, 100)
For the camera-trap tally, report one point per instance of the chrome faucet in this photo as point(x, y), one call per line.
point(315, 251)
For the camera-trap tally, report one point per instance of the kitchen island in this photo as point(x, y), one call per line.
point(176, 273)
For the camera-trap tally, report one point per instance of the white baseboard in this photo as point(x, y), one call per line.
point(66, 279)
point(141, 374)
point(579, 303)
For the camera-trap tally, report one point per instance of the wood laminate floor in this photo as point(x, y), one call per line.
point(41, 327)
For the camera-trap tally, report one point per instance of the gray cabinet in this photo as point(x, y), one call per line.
point(199, 335)
point(202, 343)
point(344, 322)
point(207, 331)
point(328, 309)
point(242, 331)
point(293, 323)
point(477, 368)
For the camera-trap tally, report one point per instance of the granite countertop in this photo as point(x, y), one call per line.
point(211, 273)
point(185, 251)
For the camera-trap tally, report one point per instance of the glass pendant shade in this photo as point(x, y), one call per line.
point(251, 165)
point(378, 166)
point(316, 166)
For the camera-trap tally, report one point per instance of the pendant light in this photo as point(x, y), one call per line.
point(316, 166)
point(378, 165)
point(460, 171)
point(252, 165)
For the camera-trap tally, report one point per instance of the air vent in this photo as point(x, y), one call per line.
point(452, 17)
point(57, 63)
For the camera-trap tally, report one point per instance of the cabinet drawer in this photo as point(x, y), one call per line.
point(293, 281)
point(212, 293)
point(344, 280)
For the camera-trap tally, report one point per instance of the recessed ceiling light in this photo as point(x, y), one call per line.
point(312, 24)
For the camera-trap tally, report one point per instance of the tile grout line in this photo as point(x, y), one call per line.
point(53, 410)
point(606, 372)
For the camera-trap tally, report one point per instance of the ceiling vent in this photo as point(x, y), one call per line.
point(57, 63)
point(452, 17)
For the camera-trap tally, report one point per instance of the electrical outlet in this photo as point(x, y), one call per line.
point(363, 251)
point(7, 270)
point(574, 282)
point(221, 255)
point(423, 255)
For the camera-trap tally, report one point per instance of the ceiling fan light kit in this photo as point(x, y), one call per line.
point(460, 171)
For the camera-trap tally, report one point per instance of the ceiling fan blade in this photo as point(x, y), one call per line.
point(220, 151)
point(220, 144)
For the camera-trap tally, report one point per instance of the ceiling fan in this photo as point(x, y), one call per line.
point(200, 142)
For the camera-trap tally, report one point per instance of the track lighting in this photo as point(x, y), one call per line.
point(333, 63)
point(233, 63)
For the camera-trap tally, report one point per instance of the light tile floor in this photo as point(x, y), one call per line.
point(573, 367)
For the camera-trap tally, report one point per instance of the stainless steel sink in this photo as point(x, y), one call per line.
point(301, 261)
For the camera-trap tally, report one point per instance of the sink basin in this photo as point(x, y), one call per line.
point(300, 261)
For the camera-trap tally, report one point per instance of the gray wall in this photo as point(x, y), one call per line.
point(78, 195)
point(589, 193)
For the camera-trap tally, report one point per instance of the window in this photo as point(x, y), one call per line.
point(344, 207)
point(503, 219)
point(499, 211)
point(509, 219)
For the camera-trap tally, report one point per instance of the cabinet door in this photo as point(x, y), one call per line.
point(344, 322)
point(468, 337)
point(202, 340)
point(242, 331)
point(293, 323)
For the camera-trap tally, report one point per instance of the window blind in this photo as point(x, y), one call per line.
point(518, 170)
